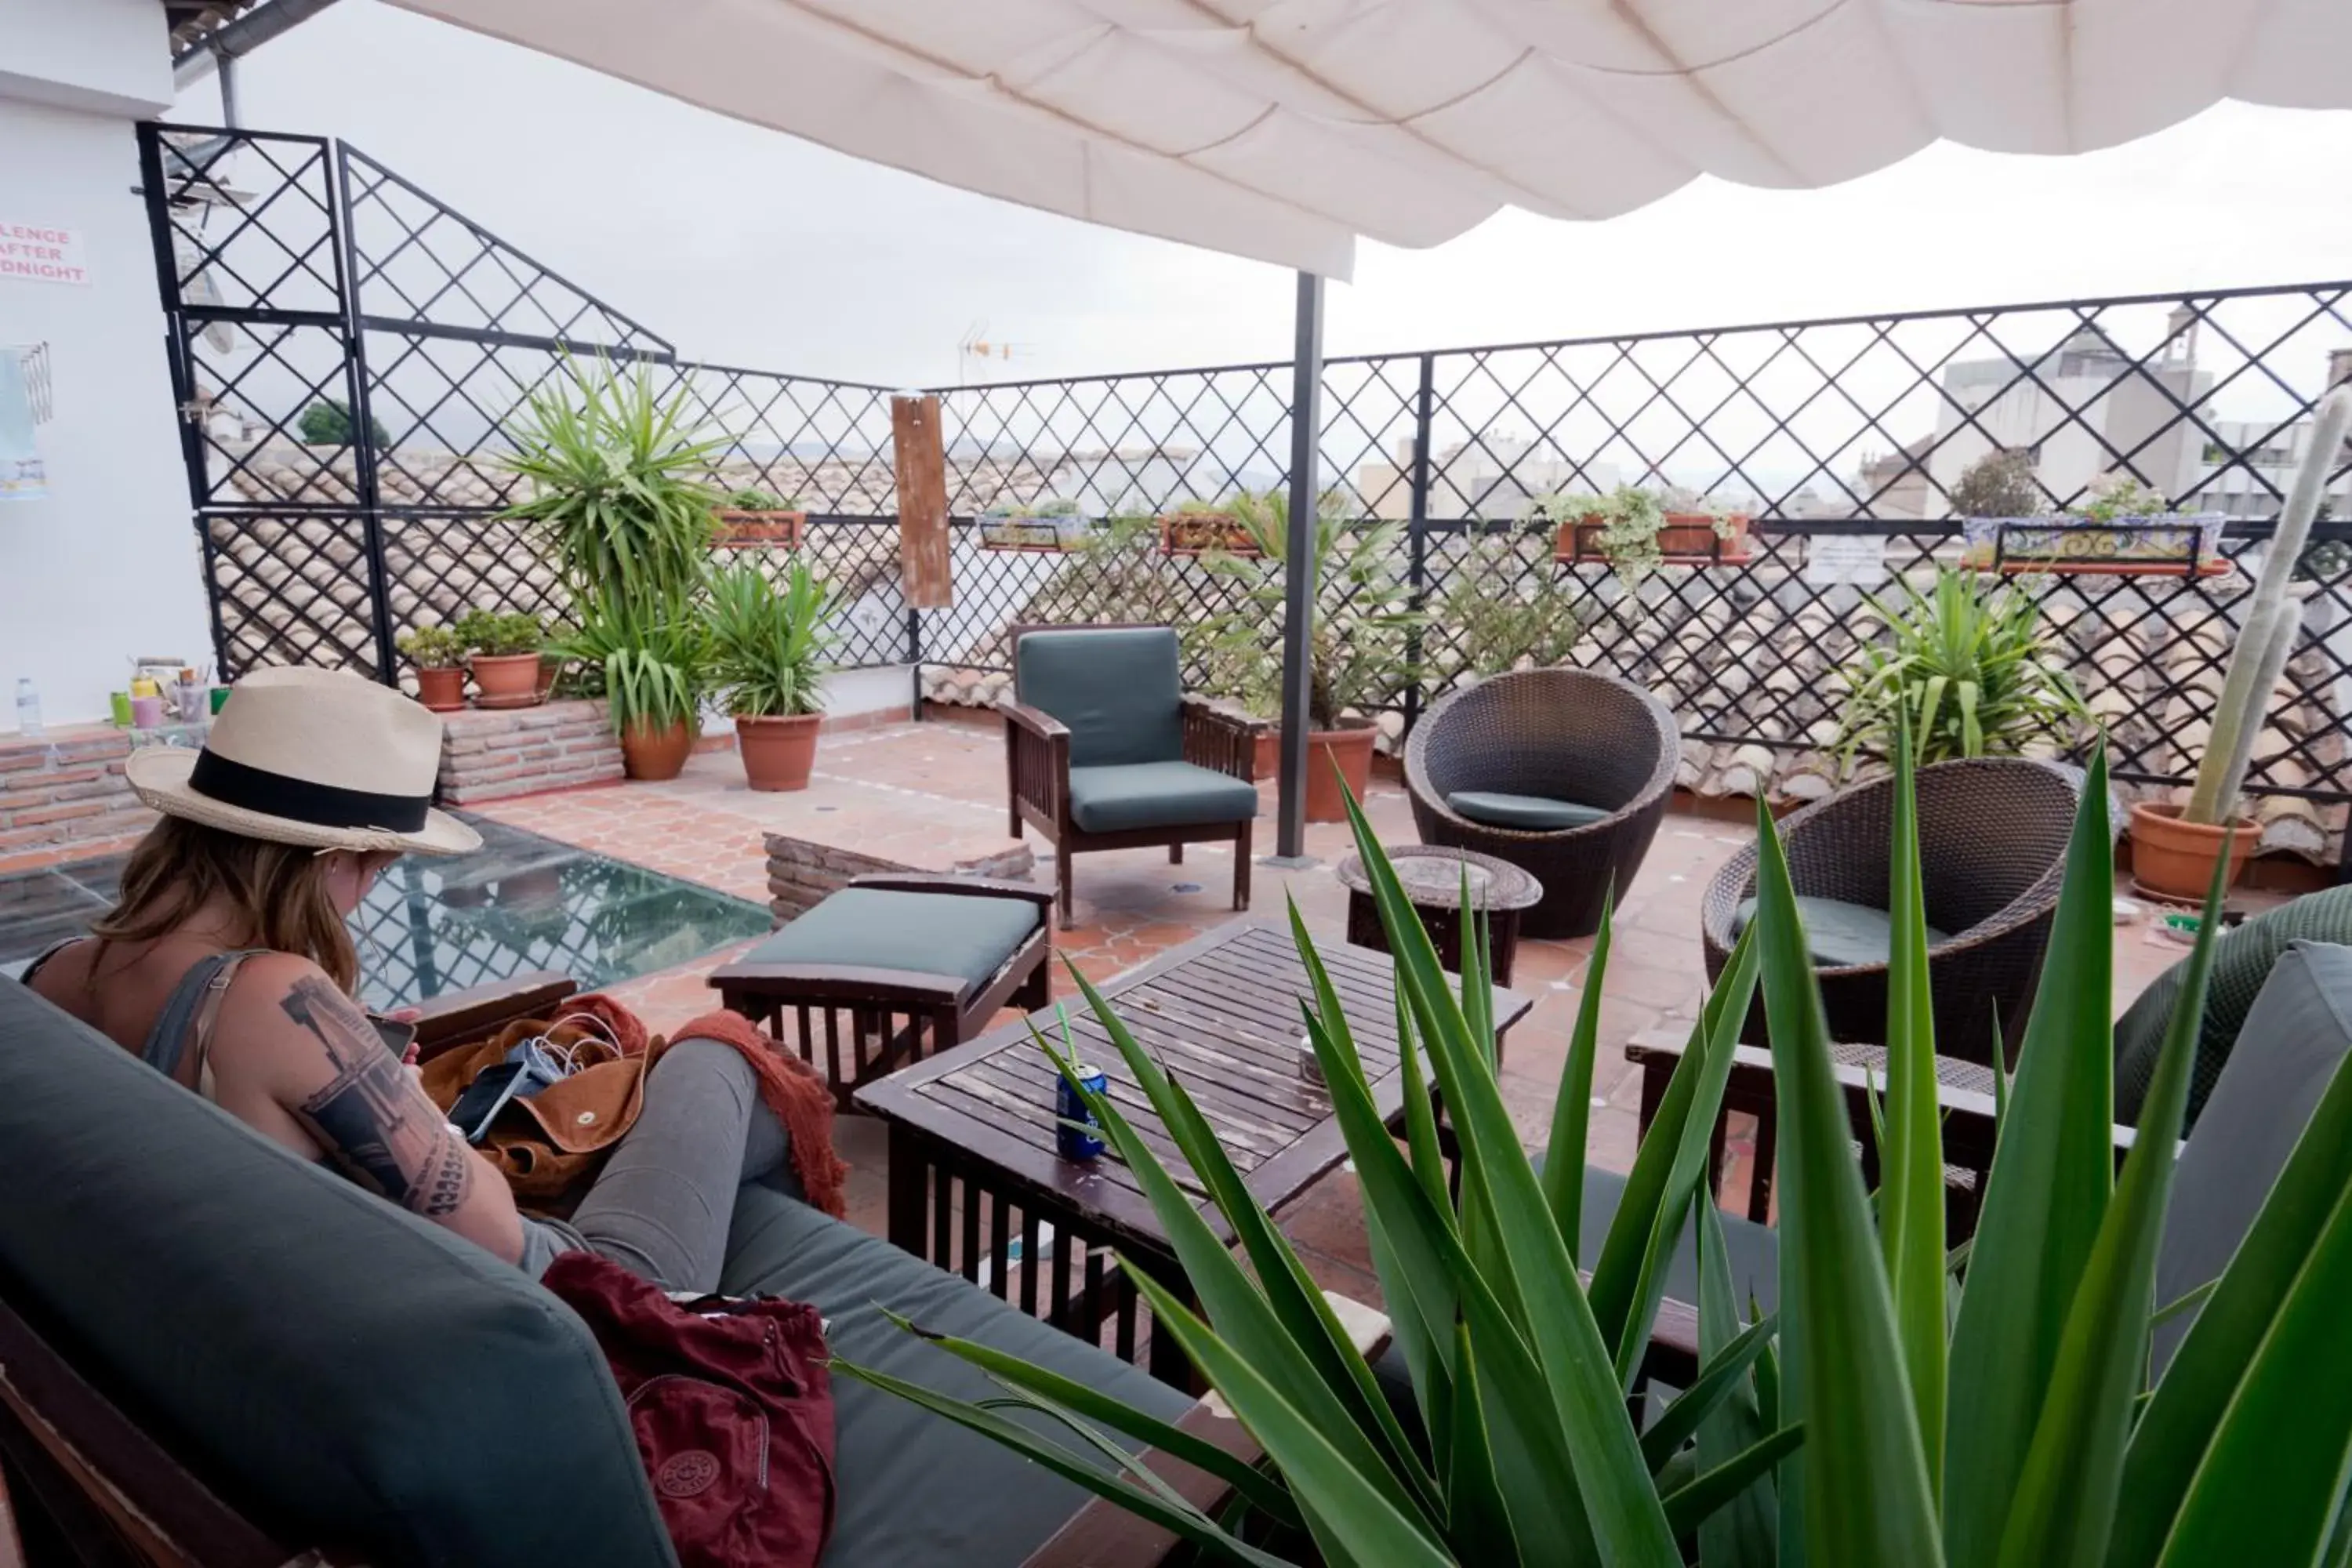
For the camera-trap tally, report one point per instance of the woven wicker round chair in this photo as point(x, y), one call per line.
point(1566, 734)
point(1992, 851)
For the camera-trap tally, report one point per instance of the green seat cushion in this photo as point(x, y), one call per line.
point(969, 935)
point(328, 1362)
point(1157, 794)
point(1117, 689)
point(2241, 963)
point(916, 1489)
point(1839, 935)
point(2294, 1039)
point(1528, 812)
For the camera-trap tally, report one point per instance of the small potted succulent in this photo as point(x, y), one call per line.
point(754, 519)
point(2124, 528)
point(1202, 527)
point(505, 660)
point(1053, 525)
point(2174, 847)
point(767, 647)
point(1637, 530)
point(440, 655)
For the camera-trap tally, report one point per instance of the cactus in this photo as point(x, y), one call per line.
point(2271, 620)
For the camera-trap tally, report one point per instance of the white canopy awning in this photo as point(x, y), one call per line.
point(1283, 128)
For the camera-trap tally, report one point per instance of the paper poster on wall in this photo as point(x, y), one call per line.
point(42, 253)
point(21, 475)
point(1859, 559)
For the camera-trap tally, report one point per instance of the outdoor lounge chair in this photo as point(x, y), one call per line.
point(228, 1356)
point(904, 964)
point(1102, 749)
point(1562, 772)
point(1992, 851)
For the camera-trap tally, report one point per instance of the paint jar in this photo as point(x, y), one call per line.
point(146, 712)
point(120, 701)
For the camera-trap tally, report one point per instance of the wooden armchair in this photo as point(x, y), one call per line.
point(1102, 749)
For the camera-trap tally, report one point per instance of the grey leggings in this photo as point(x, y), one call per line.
point(660, 1208)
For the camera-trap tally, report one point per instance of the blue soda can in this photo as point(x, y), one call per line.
point(1073, 1133)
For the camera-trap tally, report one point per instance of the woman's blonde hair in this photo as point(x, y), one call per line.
point(279, 890)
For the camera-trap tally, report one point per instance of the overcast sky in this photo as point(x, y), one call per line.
point(744, 245)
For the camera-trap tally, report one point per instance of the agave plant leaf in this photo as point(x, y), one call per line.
point(2067, 1490)
point(1743, 1532)
point(1911, 1149)
point(1572, 1111)
point(1691, 1505)
point(1724, 1371)
point(2044, 1201)
point(1867, 1497)
point(1478, 1522)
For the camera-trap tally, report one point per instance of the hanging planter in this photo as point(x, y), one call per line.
point(742, 528)
point(1034, 533)
point(1685, 538)
point(2167, 544)
point(1201, 532)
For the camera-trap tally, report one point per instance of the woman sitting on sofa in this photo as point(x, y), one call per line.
point(227, 965)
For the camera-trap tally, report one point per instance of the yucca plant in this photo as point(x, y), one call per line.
point(653, 660)
point(1888, 1429)
point(768, 642)
point(615, 489)
point(1970, 670)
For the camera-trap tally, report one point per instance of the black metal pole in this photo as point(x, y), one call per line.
point(1299, 571)
point(1417, 535)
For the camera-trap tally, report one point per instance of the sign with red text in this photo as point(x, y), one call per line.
point(41, 252)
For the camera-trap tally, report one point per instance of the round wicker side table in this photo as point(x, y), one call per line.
point(1431, 876)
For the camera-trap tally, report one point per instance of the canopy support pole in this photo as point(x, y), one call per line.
point(1298, 574)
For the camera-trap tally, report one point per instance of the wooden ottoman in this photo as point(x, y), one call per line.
point(893, 968)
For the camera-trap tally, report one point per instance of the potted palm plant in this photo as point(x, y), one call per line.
point(754, 519)
point(767, 655)
point(651, 664)
point(505, 657)
point(2174, 845)
point(438, 653)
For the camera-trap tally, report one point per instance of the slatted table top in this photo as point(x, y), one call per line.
point(1221, 1014)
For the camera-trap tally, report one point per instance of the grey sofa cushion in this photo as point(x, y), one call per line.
point(333, 1365)
point(1117, 689)
point(915, 1490)
point(2294, 1038)
point(1838, 934)
point(933, 933)
point(1528, 812)
point(2241, 962)
point(1157, 794)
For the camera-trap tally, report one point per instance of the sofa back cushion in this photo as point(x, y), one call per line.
point(334, 1366)
point(1118, 688)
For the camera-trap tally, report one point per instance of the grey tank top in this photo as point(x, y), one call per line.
point(192, 1002)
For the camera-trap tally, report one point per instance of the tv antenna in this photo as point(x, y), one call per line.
point(976, 344)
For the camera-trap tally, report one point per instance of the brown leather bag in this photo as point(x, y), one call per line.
point(553, 1143)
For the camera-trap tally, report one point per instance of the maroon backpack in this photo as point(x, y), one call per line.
point(732, 1409)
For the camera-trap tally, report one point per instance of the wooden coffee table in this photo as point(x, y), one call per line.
point(976, 1185)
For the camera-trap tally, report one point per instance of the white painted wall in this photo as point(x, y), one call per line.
point(105, 566)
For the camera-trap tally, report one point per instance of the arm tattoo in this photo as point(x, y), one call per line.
point(371, 1120)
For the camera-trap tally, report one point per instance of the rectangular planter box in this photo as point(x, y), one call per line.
point(2129, 547)
point(1689, 540)
point(1036, 534)
point(759, 529)
point(1198, 533)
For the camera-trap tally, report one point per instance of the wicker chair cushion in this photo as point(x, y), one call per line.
point(1117, 689)
point(1838, 934)
point(929, 933)
point(1528, 812)
point(1157, 794)
point(2241, 963)
point(2295, 1037)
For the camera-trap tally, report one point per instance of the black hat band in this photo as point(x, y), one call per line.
point(233, 782)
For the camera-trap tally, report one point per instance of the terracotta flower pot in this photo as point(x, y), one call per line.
point(549, 668)
point(443, 691)
point(2174, 859)
point(1351, 749)
point(655, 755)
point(505, 680)
point(778, 752)
point(1266, 760)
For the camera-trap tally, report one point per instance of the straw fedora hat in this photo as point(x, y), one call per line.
point(320, 758)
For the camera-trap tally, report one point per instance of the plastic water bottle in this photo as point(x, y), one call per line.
point(29, 710)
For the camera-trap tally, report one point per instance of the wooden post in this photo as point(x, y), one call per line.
point(924, 575)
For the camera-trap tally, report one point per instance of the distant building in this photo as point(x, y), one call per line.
point(2245, 466)
point(1492, 478)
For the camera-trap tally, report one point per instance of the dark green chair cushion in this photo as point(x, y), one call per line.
point(1117, 689)
point(1157, 794)
point(915, 1490)
point(2241, 962)
point(331, 1364)
point(1527, 813)
point(1839, 935)
point(2294, 1038)
point(933, 933)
